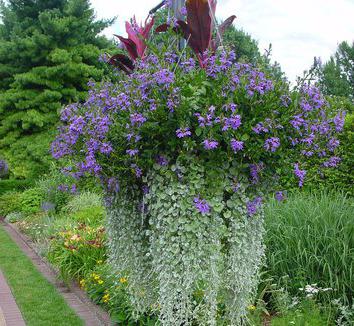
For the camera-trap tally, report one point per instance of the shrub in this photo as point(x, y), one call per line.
point(310, 239)
point(14, 185)
point(10, 202)
point(76, 251)
point(341, 178)
point(31, 200)
point(52, 187)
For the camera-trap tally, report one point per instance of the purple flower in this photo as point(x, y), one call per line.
point(279, 196)
point(339, 121)
point(235, 186)
point(106, 148)
point(252, 206)
point(285, 100)
point(112, 185)
point(137, 119)
point(103, 57)
point(73, 189)
point(297, 121)
point(259, 128)
point(132, 152)
point(161, 160)
point(63, 188)
point(183, 132)
point(164, 77)
point(332, 144)
point(236, 145)
point(307, 153)
point(138, 172)
point(188, 65)
point(77, 125)
point(210, 144)
point(332, 162)
point(300, 174)
point(201, 205)
point(309, 139)
point(271, 144)
point(254, 172)
point(183, 11)
point(234, 122)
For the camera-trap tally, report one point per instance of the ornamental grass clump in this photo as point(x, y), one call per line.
point(186, 143)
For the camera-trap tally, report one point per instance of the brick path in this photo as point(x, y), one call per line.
point(75, 297)
point(10, 315)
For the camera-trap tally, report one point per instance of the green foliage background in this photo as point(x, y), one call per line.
point(48, 52)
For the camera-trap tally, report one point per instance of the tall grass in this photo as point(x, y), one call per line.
point(310, 238)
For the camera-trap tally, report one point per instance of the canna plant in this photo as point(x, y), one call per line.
point(198, 28)
point(135, 44)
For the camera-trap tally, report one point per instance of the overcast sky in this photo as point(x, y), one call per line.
point(297, 29)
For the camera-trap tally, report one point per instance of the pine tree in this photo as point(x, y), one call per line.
point(49, 50)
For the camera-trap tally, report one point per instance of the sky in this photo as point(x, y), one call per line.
point(298, 30)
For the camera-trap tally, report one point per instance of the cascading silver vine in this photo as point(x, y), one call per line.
point(184, 266)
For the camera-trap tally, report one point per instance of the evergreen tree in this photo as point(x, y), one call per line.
point(246, 48)
point(336, 77)
point(49, 50)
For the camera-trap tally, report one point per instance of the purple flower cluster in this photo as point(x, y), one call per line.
point(139, 117)
point(183, 132)
point(255, 169)
point(162, 160)
point(236, 145)
point(210, 144)
point(209, 119)
point(132, 152)
point(314, 131)
point(252, 206)
point(332, 162)
point(300, 174)
point(271, 144)
point(234, 122)
point(258, 83)
point(201, 205)
point(279, 196)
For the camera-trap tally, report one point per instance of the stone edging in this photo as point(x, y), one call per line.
point(77, 299)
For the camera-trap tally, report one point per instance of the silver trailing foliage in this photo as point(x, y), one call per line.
point(187, 267)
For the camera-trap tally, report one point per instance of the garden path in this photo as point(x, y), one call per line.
point(10, 314)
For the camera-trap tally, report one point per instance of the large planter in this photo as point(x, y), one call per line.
point(188, 267)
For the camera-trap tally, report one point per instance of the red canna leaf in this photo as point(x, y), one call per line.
point(199, 23)
point(221, 30)
point(122, 62)
point(226, 24)
point(139, 34)
point(130, 46)
point(145, 31)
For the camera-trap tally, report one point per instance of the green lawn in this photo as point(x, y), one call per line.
point(38, 300)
